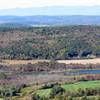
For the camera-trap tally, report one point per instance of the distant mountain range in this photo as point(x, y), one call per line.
point(54, 15)
point(50, 20)
point(53, 10)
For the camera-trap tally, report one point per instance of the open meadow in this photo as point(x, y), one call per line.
point(82, 61)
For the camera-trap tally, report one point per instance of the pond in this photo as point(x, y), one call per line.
point(88, 71)
point(82, 72)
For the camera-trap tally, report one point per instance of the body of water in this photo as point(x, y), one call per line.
point(89, 71)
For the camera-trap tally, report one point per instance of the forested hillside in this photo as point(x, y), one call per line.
point(65, 42)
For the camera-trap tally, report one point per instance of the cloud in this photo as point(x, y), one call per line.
point(5, 4)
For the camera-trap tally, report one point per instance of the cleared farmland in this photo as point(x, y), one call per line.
point(83, 61)
point(71, 87)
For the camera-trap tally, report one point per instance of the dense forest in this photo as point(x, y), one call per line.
point(60, 42)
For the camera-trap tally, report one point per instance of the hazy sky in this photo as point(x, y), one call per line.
point(5, 4)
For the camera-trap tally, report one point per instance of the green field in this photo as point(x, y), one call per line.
point(1, 99)
point(71, 87)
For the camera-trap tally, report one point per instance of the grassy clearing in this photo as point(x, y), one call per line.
point(84, 61)
point(18, 62)
point(29, 90)
point(71, 87)
point(82, 85)
point(44, 92)
point(81, 61)
point(25, 92)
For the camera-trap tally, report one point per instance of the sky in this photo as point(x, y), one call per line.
point(8, 4)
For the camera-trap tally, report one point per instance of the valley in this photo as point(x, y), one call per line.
point(50, 62)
